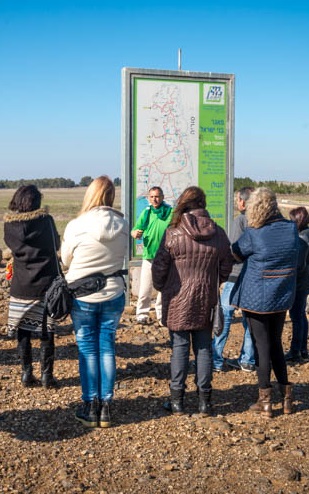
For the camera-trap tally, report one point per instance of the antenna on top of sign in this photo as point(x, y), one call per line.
point(179, 58)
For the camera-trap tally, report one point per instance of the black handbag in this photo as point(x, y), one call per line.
point(59, 297)
point(58, 300)
point(217, 312)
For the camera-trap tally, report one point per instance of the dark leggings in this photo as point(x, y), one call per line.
point(266, 331)
point(24, 340)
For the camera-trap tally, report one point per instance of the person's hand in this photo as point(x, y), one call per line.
point(137, 233)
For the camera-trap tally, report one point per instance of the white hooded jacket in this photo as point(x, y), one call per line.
point(95, 242)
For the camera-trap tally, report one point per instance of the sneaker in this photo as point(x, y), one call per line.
point(217, 369)
point(232, 363)
point(247, 367)
point(167, 405)
point(87, 413)
point(142, 320)
point(105, 417)
point(292, 356)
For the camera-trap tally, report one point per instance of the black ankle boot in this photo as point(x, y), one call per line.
point(87, 413)
point(47, 364)
point(104, 415)
point(204, 402)
point(177, 401)
point(27, 377)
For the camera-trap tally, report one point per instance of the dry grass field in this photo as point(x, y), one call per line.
point(64, 204)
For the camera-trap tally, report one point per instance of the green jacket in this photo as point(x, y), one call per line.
point(153, 222)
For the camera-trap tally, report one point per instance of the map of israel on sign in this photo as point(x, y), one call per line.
point(178, 131)
point(166, 137)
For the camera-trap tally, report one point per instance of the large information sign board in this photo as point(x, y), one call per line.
point(178, 130)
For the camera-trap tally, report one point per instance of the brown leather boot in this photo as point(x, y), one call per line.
point(287, 395)
point(263, 405)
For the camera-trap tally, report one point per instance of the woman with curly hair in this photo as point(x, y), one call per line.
point(265, 290)
point(298, 350)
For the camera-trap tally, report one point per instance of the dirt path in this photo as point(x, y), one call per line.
point(44, 450)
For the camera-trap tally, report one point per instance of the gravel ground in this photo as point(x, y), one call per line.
point(43, 449)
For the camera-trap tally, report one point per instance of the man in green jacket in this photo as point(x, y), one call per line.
point(150, 226)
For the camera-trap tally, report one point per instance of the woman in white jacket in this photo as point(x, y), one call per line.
point(96, 242)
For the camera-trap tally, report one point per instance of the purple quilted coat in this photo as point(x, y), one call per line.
point(185, 270)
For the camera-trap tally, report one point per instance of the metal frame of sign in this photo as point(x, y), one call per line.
point(187, 118)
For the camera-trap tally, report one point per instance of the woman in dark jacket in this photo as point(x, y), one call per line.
point(30, 233)
point(193, 253)
point(265, 290)
point(298, 350)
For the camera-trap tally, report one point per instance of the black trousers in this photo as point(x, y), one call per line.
point(266, 331)
point(24, 340)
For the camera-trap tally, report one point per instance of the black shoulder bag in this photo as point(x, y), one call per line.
point(58, 301)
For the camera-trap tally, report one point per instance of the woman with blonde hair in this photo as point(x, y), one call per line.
point(96, 242)
point(265, 290)
point(193, 259)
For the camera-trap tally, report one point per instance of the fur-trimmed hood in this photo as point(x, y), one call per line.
point(33, 240)
point(30, 215)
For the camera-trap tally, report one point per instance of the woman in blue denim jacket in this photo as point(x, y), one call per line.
point(265, 290)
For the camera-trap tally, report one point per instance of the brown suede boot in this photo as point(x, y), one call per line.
point(263, 405)
point(287, 395)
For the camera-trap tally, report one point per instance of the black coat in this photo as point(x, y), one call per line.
point(29, 236)
point(302, 280)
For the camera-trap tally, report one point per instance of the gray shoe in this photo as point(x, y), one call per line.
point(247, 367)
point(142, 320)
point(235, 364)
point(232, 363)
point(292, 356)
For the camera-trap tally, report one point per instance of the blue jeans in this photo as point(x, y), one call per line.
point(299, 322)
point(95, 327)
point(201, 343)
point(219, 342)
